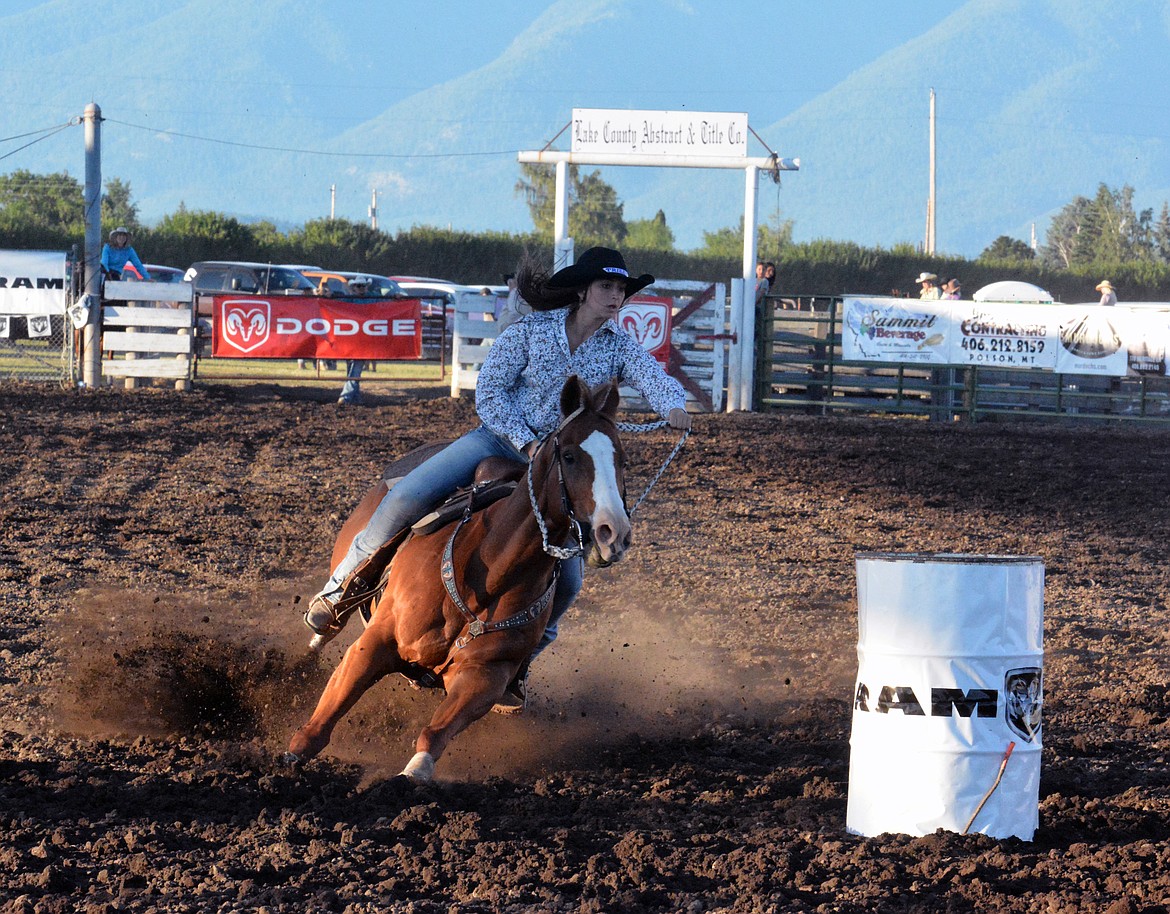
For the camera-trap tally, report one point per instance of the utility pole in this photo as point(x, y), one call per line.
point(374, 210)
point(91, 368)
point(930, 204)
point(332, 199)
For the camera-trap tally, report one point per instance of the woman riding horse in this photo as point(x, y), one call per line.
point(572, 330)
point(465, 605)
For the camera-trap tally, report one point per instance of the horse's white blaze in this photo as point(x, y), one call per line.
point(608, 508)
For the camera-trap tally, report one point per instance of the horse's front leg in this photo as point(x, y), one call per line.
point(373, 655)
point(471, 693)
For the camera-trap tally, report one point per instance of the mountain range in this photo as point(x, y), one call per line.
point(259, 109)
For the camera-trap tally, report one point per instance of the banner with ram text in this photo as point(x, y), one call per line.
point(252, 327)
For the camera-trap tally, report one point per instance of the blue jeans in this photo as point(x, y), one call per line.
point(351, 392)
point(430, 482)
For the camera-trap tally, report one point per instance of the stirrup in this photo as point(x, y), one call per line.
point(328, 621)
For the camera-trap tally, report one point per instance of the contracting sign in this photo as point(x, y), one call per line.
point(665, 133)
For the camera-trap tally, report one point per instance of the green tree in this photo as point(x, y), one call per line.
point(1066, 243)
point(1007, 248)
point(208, 234)
point(340, 243)
point(595, 213)
point(1160, 235)
point(117, 206)
point(1104, 230)
point(772, 239)
point(29, 201)
point(650, 234)
point(537, 185)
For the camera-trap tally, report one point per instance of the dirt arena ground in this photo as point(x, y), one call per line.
point(686, 749)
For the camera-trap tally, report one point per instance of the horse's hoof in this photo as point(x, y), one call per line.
point(421, 768)
point(291, 760)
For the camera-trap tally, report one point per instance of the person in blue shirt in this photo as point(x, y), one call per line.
point(118, 252)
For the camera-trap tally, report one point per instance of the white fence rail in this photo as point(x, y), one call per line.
point(146, 330)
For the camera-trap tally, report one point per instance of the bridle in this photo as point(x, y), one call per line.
point(582, 534)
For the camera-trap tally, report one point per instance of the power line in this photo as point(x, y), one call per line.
point(314, 152)
point(54, 132)
point(21, 136)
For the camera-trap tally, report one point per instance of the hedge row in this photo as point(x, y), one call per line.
point(812, 268)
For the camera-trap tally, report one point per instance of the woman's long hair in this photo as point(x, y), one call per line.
point(532, 284)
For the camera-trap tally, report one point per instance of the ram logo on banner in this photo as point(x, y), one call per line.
point(245, 323)
point(647, 320)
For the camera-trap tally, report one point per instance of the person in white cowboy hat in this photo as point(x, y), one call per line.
point(572, 330)
point(930, 291)
point(117, 252)
point(1108, 296)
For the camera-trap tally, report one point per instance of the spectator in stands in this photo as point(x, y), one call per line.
point(761, 285)
point(574, 330)
point(117, 252)
point(930, 291)
point(1108, 296)
point(952, 290)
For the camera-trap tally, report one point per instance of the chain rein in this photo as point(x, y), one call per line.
point(568, 552)
point(650, 427)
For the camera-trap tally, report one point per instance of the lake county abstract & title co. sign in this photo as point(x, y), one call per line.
point(665, 133)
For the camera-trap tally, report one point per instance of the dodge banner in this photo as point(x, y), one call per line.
point(315, 328)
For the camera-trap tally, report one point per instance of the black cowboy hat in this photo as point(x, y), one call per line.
point(598, 263)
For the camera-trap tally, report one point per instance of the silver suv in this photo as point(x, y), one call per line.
point(242, 278)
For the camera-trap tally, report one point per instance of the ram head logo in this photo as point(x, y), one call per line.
point(1024, 699)
point(646, 322)
point(245, 324)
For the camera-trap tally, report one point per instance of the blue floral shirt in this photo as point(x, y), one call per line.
point(518, 394)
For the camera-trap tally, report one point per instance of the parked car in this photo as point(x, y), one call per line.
point(338, 283)
point(247, 278)
point(437, 295)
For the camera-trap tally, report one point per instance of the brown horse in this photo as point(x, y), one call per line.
point(470, 601)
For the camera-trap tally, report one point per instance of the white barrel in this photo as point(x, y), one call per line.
point(950, 673)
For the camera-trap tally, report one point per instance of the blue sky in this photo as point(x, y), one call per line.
point(766, 58)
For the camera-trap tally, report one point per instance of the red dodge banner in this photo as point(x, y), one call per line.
point(315, 328)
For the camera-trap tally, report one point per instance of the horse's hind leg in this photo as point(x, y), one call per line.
point(471, 693)
point(367, 660)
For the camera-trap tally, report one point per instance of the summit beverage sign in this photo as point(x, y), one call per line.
point(664, 133)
